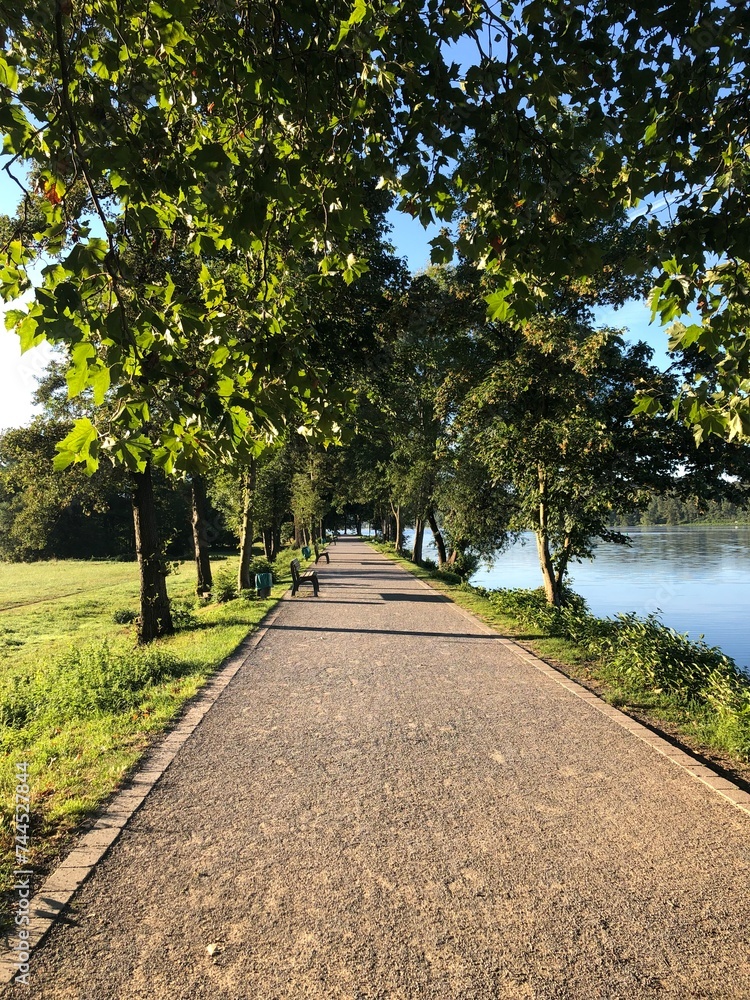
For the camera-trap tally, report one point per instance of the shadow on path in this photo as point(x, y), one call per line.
point(383, 631)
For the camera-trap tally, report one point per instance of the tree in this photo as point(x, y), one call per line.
point(45, 515)
point(550, 416)
point(655, 122)
point(199, 521)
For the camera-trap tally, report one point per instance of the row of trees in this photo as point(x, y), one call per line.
point(672, 509)
point(477, 429)
point(483, 429)
point(198, 188)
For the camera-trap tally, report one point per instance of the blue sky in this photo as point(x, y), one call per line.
point(18, 374)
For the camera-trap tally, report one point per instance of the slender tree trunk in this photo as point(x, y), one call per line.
point(268, 543)
point(156, 619)
point(246, 529)
point(563, 564)
point(551, 589)
point(397, 530)
point(359, 525)
point(439, 541)
point(275, 541)
point(200, 534)
point(416, 555)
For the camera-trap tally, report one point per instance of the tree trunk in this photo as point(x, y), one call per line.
point(275, 541)
point(268, 543)
point(246, 530)
point(551, 589)
point(200, 535)
point(439, 542)
point(397, 530)
point(563, 564)
point(156, 619)
point(416, 555)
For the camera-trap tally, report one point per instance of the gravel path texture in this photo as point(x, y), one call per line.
point(387, 802)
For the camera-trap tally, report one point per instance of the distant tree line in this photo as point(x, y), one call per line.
point(673, 509)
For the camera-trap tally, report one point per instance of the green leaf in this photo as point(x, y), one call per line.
point(648, 405)
point(27, 332)
point(76, 447)
point(498, 307)
point(8, 75)
point(77, 375)
point(99, 379)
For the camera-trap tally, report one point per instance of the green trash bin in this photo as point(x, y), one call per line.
point(263, 584)
point(305, 551)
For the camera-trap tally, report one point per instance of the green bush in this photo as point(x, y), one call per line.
point(124, 616)
point(658, 657)
point(261, 565)
point(182, 615)
point(225, 586)
point(643, 651)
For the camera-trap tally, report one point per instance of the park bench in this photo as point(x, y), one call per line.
point(298, 578)
point(319, 554)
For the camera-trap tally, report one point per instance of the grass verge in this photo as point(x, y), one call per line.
point(691, 693)
point(80, 702)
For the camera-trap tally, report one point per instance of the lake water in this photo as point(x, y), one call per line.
point(697, 577)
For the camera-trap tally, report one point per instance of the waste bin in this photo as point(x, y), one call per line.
point(263, 584)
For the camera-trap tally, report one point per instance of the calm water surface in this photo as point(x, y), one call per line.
point(697, 577)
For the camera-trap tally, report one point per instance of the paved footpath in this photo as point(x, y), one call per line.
point(386, 802)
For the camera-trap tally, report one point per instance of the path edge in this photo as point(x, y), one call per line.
point(728, 790)
point(49, 902)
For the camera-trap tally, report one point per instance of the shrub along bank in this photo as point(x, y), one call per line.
point(637, 664)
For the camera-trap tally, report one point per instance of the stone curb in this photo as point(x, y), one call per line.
point(727, 789)
point(47, 905)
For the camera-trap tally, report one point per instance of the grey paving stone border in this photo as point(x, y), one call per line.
point(47, 905)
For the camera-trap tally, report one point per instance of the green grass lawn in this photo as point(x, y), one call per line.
point(79, 700)
point(46, 603)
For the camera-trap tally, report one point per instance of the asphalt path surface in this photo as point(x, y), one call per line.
point(386, 802)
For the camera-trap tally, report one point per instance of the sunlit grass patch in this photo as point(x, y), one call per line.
point(83, 704)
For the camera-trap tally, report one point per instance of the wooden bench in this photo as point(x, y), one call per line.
point(319, 554)
point(298, 578)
